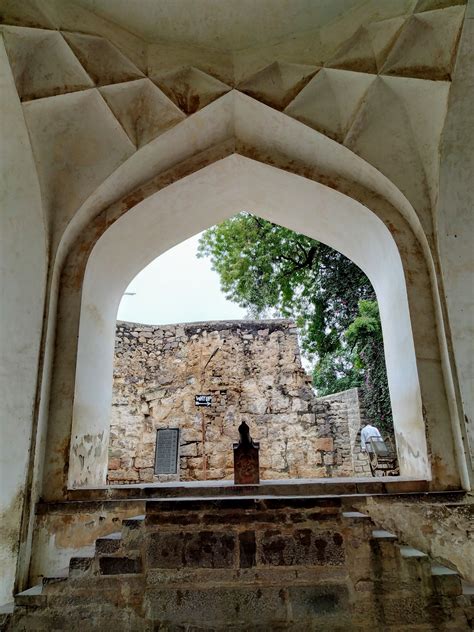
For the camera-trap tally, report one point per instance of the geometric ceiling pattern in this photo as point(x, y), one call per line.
point(368, 48)
point(190, 88)
point(278, 83)
point(103, 62)
point(382, 92)
point(142, 109)
point(426, 46)
point(330, 101)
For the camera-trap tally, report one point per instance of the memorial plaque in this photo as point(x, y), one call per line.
point(166, 457)
point(246, 463)
point(203, 400)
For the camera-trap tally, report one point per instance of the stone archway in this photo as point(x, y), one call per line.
point(209, 196)
point(247, 128)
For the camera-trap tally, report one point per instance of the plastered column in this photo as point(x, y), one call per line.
point(455, 220)
point(22, 283)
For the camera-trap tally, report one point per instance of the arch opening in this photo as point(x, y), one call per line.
point(190, 365)
point(195, 203)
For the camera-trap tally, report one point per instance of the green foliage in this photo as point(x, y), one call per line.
point(364, 336)
point(273, 271)
point(336, 372)
point(265, 267)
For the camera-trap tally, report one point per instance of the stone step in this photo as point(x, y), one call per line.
point(108, 544)
point(79, 566)
point(290, 557)
point(438, 570)
point(6, 612)
point(468, 594)
point(410, 553)
point(134, 523)
point(31, 597)
point(446, 581)
point(467, 589)
point(381, 534)
point(58, 576)
point(132, 529)
point(119, 565)
point(355, 515)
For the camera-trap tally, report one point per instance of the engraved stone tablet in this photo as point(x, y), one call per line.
point(246, 465)
point(166, 458)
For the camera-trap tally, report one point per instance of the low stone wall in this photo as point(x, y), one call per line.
point(348, 437)
point(252, 371)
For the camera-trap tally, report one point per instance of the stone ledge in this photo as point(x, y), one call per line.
point(86, 501)
point(275, 488)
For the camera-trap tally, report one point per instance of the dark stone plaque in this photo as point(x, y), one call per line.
point(246, 465)
point(166, 457)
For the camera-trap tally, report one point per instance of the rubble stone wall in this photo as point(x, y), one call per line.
point(349, 438)
point(253, 372)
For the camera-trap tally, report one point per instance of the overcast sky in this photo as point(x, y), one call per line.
point(177, 287)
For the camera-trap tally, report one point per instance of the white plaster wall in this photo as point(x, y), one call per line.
point(455, 218)
point(195, 203)
point(23, 262)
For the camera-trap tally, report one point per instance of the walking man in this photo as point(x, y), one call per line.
point(368, 432)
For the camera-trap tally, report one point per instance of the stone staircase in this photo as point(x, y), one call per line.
point(200, 564)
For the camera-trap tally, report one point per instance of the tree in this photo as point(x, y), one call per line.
point(265, 267)
point(271, 270)
point(364, 336)
point(336, 372)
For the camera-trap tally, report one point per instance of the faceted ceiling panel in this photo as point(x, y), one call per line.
point(394, 121)
point(77, 143)
point(102, 60)
point(277, 84)
point(42, 63)
point(393, 132)
point(367, 49)
point(25, 13)
point(427, 45)
point(330, 101)
point(190, 88)
point(219, 24)
point(432, 5)
point(142, 109)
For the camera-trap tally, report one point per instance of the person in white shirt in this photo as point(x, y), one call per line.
point(367, 432)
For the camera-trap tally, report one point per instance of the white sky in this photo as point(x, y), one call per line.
point(177, 287)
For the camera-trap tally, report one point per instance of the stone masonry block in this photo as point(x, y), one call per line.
point(324, 443)
point(119, 565)
point(300, 547)
point(201, 549)
point(232, 608)
point(324, 601)
point(247, 549)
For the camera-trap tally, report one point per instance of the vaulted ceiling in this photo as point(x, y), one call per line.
point(221, 24)
point(373, 76)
